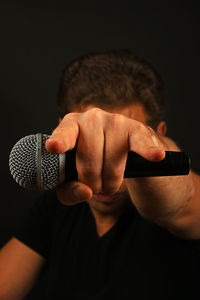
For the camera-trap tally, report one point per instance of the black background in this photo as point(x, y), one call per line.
point(37, 40)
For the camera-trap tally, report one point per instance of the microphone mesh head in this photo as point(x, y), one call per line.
point(50, 167)
point(23, 163)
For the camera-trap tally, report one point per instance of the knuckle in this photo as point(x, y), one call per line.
point(68, 116)
point(139, 126)
point(95, 110)
point(54, 131)
point(93, 116)
point(150, 130)
point(152, 135)
point(117, 120)
point(57, 132)
point(89, 171)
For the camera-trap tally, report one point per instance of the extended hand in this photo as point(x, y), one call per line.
point(103, 140)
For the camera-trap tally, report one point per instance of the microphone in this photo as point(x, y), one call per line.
point(34, 168)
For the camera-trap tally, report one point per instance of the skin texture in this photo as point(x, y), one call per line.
point(103, 138)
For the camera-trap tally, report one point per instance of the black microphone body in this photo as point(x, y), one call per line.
point(34, 168)
point(174, 163)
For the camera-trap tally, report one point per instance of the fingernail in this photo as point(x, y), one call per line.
point(78, 192)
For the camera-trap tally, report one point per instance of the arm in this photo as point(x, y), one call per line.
point(19, 269)
point(103, 140)
point(172, 202)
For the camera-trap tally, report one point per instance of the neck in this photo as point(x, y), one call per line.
point(104, 222)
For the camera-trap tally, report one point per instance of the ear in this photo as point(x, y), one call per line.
point(161, 128)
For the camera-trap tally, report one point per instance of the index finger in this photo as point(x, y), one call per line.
point(64, 137)
point(144, 142)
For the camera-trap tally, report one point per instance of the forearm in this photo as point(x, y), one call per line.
point(160, 197)
point(169, 201)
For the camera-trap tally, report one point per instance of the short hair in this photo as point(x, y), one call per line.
point(113, 78)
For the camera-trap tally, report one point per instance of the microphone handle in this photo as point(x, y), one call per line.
point(174, 163)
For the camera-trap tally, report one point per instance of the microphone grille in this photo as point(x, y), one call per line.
point(50, 167)
point(23, 164)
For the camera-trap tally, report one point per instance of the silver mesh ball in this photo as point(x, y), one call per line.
point(49, 167)
point(23, 163)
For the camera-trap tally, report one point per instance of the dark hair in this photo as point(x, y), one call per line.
point(113, 78)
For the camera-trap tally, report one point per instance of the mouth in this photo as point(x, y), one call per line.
point(107, 198)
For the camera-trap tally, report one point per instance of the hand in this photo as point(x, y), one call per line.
point(103, 141)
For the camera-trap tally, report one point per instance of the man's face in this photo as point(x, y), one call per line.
point(136, 112)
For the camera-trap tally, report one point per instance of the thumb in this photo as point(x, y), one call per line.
point(73, 192)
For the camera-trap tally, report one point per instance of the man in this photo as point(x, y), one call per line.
point(105, 236)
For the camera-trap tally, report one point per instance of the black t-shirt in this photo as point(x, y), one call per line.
point(135, 259)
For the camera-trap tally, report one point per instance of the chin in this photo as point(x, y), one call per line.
point(108, 205)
